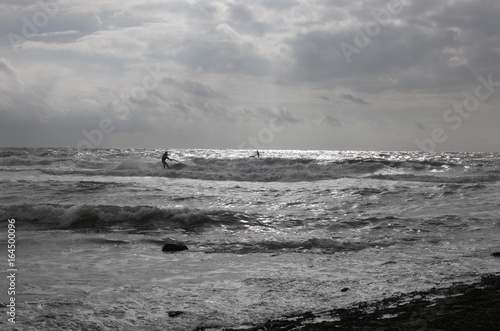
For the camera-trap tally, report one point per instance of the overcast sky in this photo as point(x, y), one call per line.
point(265, 74)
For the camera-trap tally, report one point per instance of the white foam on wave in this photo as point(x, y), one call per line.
point(132, 164)
point(284, 166)
point(95, 216)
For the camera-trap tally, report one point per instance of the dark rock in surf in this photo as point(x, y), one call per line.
point(496, 254)
point(174, 313)
point(174, 246)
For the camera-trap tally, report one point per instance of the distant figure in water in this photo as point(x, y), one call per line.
point(165, 157)
point(257, 154)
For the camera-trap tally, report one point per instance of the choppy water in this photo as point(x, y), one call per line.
point(267, 237)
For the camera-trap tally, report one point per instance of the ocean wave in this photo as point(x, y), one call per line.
point(232, 165)
point(320, 245)
point(29, 161)
point(102, 217)
point(263, 170)
point(462, 179)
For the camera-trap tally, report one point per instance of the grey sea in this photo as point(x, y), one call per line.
point(290, 232)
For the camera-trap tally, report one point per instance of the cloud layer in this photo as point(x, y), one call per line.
point(337, 75)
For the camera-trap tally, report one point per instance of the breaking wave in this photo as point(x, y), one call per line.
point(282, 166)
point(101, 217)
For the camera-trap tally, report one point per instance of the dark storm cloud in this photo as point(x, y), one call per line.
point(424, 47)
point(42, 20)
point(329, 120)
point(193, 88)
point(354, 99)
point(285, 116)
point(199, 89)
point(345, 97)
point(319, 58)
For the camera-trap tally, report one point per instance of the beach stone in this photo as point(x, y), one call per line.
point(496, 254)
point(174, 313)
point(174, 246)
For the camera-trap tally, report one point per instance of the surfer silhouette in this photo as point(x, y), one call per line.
point(257, 154)
point(165, 157)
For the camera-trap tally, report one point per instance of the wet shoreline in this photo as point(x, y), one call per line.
point(462, 306)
